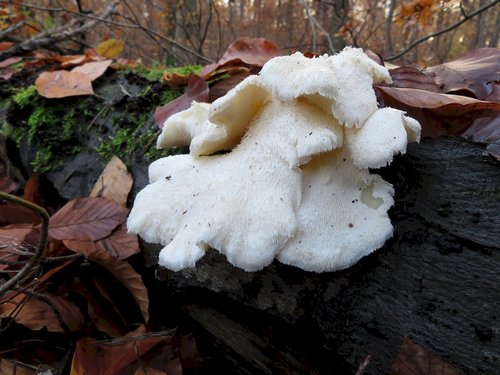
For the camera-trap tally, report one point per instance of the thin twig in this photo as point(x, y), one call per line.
point(41, 243)
point(11, 29)
point(445, 30)
point(103, 19)
point(52, 37)
point(362, 367)
point(138, 337)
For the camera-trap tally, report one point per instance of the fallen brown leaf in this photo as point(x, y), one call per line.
point(32, 189)
point(120, 244)
point(36, 313)
point(251, 51)
point(93, 70)
point(109, 358)
point(61, 84)
point(114, 183)
point(86, 219)
point(10, 367)
point(475, 72)
point(10, 61)
point(416, 360)
point(438, 114)
point(197, 89)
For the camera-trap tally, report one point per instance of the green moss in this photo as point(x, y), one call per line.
point(25, 96)
point(57, 129)
point(155, 73)
point(11, 132)
point(168, 95)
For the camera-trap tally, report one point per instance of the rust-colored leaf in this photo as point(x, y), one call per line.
point(86, 219)
point(5, 45)
point(61, 84)
point(109, 358)
point(9, 367)
point(12, 239)
point(70, 60)
point(438, 114)
point(114, 183)
point(32, 189)
point(223, 86)
point(7, 73)
point(486, 130)
point(416, 360)
point(110, 48)
point(120, 244)
point(94, 69)
point(123, 272)
point(126, 274)
point(475, 72)
point(149, 371)
point(15, 214)
point(197, 89)
point(411, 77)
point(251, 51)
point(40, 312)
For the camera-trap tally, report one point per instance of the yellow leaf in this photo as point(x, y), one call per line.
point(110, 48)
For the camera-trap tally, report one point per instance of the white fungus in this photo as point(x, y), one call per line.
point(294, 183)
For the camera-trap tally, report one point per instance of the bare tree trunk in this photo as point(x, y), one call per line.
point(388, 27)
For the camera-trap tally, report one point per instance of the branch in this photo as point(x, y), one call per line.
point(11, 29)
point(449, 28)
point(41, 244)
point(44, 39)
point(102, 19)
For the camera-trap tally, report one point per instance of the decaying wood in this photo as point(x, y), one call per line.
point(435, 281)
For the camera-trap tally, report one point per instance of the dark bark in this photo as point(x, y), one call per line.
point(435, 281)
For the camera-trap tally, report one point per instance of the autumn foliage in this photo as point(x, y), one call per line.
point(83, 286)
point(84, 298)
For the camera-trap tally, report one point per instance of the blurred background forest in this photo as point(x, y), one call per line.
point(179, 32)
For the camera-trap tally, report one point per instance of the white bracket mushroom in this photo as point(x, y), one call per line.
point(294, 183)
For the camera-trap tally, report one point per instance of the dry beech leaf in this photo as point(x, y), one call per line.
point(416, 360)
point(32, 189)
point(87, 219)
point(476, 72)
point(12, 238)
point(122, 271)
point(149, 371)
point(197, 89)
point(62, 83)
point(126, 274)
point(109, 358)
point(120, 244)
point(15, 214)
point(114, 183)
point(437, 113)
point(410, 77)
point(93, 70)
point(37, 314)
point(250, 51)
point(110, 48)
point(5, 45)
point(10, 61)
point(8, 367)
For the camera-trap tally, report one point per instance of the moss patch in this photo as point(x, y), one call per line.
point(58, 129)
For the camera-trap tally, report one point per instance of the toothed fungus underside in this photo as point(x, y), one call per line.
point(294, 182)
